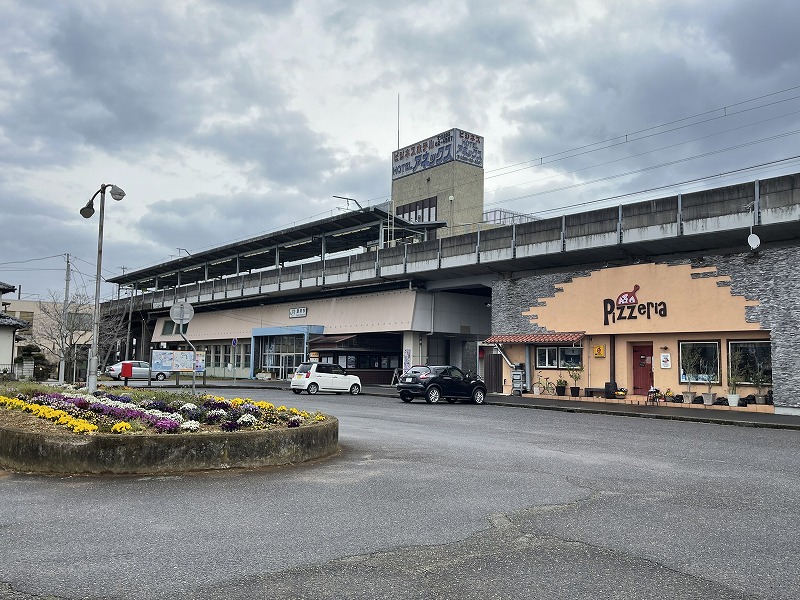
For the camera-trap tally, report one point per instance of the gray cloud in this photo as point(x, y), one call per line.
point(261, 94)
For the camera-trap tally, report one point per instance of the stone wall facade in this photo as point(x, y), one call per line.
point(768, 275)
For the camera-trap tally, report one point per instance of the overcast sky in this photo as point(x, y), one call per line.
point(223, 120)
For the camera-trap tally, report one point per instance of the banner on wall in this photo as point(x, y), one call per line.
point(436, 150)
point(180, 361)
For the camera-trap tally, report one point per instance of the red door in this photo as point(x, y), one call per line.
point(642, 369)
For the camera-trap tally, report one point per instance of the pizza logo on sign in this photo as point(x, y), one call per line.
point(627, 298)
point(628, 308)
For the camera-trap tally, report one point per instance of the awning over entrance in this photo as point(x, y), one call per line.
point(328, 341)
point(537, 338)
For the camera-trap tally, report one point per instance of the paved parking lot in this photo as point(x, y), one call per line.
point(430, 501)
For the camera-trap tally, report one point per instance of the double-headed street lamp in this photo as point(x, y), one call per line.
point(86, 212)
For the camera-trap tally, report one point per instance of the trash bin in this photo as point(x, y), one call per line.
point(611, 387)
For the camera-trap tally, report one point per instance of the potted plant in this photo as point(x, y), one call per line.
point(758, 378)
point(690, 363)
point(734, 377)
point(561, 385)
point(575, 374)
point(708, 369)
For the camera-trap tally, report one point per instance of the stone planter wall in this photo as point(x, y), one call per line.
point(165, 453)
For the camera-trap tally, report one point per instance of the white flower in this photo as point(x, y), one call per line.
point(188, 406)
point(190, 425)
point(217, 412)
point(247, 419)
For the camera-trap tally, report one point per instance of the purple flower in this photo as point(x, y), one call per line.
point(166, 426)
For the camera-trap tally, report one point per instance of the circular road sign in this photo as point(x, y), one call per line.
point(181, 312)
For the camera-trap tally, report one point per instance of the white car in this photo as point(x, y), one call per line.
point(324, 377)
point(141, 370)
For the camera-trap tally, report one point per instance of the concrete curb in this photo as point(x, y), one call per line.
point(163, 453)
point(668, 417)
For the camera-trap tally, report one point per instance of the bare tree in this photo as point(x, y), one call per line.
point(70, 329)
point(113, 334)
point(65, 329)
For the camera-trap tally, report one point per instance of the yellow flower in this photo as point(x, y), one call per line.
point(121, 427)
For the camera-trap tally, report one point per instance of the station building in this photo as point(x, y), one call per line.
point(621, 295)
point(319, 291)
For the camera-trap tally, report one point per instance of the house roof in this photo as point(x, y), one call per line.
point(537, 338)
point(9, 321)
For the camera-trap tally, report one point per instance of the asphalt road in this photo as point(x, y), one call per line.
point(430, 501)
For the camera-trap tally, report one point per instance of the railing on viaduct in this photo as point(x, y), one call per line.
point(759, 203)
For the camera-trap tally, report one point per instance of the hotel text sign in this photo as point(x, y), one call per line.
point(455, 144)
point(628, 308)
point(298, 313)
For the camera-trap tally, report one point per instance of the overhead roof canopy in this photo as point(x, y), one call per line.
point(345, 232)
point(570, 337)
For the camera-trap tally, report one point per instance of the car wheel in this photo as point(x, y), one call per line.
point(312, 388)
point(296, 391)
point(433, 395)
point(405, 396)
point(160, 376)
point(355, 389)
point(479, 396)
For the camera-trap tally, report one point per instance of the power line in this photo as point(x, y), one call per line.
point(663, 187)
point(626, 136)
point(20, 262)
point(624, 158)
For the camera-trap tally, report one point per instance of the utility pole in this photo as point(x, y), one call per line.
point(63, 335)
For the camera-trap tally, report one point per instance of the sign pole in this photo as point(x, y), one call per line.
point(234, 341)
point(182, 316)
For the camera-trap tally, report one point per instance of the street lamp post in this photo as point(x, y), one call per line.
point(86, 212)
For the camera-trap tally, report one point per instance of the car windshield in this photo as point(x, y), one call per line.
point(304, 368)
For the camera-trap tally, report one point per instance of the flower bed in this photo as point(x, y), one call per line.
point(127, 414)
point(49, 429)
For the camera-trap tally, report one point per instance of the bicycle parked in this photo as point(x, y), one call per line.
point(545, 386)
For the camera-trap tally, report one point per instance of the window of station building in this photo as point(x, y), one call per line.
point(706, 361)
point(390, 362)
point(170, 327)
point(226, 355)
point(217, 355)
point(422, 210)
point(755, 360)
point(348, 361)
point(246, 355)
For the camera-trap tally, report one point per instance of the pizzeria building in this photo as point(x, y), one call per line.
point(663, 327)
